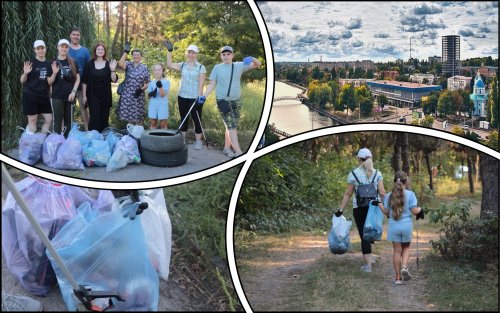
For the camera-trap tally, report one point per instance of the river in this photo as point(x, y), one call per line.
point(291, 116)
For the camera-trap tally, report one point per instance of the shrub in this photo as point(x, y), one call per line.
point(469, 240)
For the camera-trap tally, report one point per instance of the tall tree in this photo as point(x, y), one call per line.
point(347, 97)
point(489, 181)
point(493, 103)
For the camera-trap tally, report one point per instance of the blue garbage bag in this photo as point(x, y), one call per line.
point(107, 252)
point(30, 147)
point(112, 138)
point(96, 153)
point(373, 224)
point(84, 137)
point(50, 147)
point(69, 155)
point(338, 239)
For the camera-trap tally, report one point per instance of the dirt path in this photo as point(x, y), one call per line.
point(270, 279)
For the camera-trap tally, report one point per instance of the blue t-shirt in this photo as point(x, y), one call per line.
point(361, 175)
point(410, 202)
point(81, 57)
point(159, 99)
point(221, 73)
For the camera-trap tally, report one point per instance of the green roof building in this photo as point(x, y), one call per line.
point(479, 97)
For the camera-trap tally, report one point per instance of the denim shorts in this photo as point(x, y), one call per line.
point(232, 118)
point(400, 231)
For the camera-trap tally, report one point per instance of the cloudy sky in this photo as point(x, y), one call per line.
point(379, 31)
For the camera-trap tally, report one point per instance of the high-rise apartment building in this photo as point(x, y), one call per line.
point(451, 55)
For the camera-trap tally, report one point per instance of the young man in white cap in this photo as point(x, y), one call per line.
point(363, 174)
point(193, 75)
point(36, 89)
point(81, 55)
point(225, 78)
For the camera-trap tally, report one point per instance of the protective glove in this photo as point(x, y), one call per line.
point(201, 100)
point(339, 213)
point(420, 214)
point(153, 93)
point(247, 60)
point(168, 45)
point(137, 92)
point(159, 84)
point(126, 48)
point(130, 210)
point(375, 202)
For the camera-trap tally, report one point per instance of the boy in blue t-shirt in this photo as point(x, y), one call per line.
point(158, 98)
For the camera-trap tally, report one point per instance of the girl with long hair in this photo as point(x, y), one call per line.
point(399, 205)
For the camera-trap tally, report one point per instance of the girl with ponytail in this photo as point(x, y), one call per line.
point(399, 205)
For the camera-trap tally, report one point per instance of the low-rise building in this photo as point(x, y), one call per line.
point(401, 94)
point(459, 82)
point(356, 81)
point(419, 78)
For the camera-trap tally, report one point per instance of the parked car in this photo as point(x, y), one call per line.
point(464, 127)
point(402, 119)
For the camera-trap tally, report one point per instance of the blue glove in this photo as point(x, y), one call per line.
point(201, 99)
point(247, 61)
point(130, 210)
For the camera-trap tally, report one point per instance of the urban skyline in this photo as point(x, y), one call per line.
point(378, 31)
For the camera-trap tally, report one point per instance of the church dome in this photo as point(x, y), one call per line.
point(479, 83)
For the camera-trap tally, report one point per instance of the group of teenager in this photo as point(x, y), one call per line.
point(51, 88)
point(398, 205)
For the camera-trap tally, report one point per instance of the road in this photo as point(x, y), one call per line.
point(198, 160)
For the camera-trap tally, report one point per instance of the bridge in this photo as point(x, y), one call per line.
point(339, 120)
point(278, 132)
point(285, 98)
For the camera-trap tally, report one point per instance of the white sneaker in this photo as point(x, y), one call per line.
point(19, 303)
point(228, 152)
point(198, 145)
point(405, 274)
point(366, 268)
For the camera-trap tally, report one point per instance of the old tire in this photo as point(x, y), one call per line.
point(163, 159)
point(162, 140)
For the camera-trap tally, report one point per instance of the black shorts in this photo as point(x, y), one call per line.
point(34, 105)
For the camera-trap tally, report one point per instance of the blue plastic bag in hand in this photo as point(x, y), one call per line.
point(338, 239)
point(30, 147)
point(107, 252)
point(373, 224)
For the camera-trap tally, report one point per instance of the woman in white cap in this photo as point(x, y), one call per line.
point(36, 89)
point(193, 75)
point(64, 86)
point(363, 174)
point(225, 78)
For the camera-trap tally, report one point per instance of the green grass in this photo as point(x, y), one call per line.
point(469, 289)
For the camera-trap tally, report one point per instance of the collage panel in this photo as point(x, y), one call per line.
point(157, 249)
point(432, 64)
point(306, 237)
point(126, 94)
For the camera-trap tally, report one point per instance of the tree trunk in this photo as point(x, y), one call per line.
point(108, 28)
point(119, 27)
point(489, 180)
point(396, 156)
point(429, 170)
point(470, 174)
point(405, 154)
point(126, 21)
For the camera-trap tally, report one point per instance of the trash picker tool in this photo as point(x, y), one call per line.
point(202, 130)
point(85, 295)
point(189, 112)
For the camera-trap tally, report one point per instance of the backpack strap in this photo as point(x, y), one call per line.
point(373, 179)
point(356, 177)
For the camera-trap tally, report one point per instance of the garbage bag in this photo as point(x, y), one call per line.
point(135, 130)
point(372, 230)
point(50, 147)
point(52, 207)
point(69, 155)
point(100, 200)
point(96, 153)
point(84, 137)
point(30, 147)
point(130, 146)
point(338, 239)
point(157, 229)
point(107, 252)
point(112, 138)
point(118, 160)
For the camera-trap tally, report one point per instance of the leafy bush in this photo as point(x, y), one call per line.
point(445, 211)
point(469, 240)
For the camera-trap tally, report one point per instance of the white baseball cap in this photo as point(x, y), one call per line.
point(226, 48)
point(193, 48)
point(364, 153)
point(63, 41)
point(38, 43)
